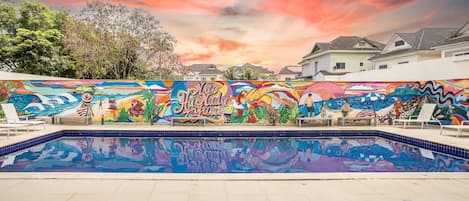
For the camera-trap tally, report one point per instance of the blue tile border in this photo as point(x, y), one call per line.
point(433, 146)
point(29, 143)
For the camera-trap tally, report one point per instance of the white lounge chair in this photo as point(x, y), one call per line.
point(5, 129)
point(425, 116)
point(13, 118)
point(9, 127)
point(459, 128)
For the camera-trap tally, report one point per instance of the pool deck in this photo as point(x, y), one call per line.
point(263, 187)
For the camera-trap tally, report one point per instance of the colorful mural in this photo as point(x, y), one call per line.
point(229, 155)
point(246, 102)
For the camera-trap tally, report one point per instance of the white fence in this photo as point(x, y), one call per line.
point(436, 69)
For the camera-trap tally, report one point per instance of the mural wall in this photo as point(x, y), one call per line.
point(252, 102)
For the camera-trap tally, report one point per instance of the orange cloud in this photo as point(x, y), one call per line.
point(386, 4)
point(335, 16)
point(223, 45)
point(191, 56)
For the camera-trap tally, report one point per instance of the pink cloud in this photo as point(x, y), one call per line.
point(223, 45)
point(386, 4)
point(335, 17)
point(196, 57)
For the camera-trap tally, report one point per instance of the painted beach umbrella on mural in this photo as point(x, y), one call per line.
point(372, 98)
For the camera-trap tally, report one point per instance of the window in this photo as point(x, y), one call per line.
point(361, 43)
point(288, 79)
point(361, 64)
point(385, 66)
point(339, 65)
point(403, 62)
point(398, 43)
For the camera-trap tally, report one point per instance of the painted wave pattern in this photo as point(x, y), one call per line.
point(244, 102)
point(229, 155)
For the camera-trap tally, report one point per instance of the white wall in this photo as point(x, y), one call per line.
point(352, 61)
point(436, 69)
point(23, 76)
point(323, 64)
point(211, 77)
point(413, 58)
point(198, 76)
point(450, 50)
point(283, 77)
point(391, 62)
point(320, 77)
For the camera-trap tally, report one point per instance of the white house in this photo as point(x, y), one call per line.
point(340, 56)
point(456, 45)
point(450, 58)
point(203, 72)
point(288, 73)
point(405, 48)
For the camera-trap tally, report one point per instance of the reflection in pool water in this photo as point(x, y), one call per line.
point(229, 155)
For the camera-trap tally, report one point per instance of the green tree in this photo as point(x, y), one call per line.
point(31, 40)
point(93, 50)
point(230, 73)
point(249, 74)
point(142, 48)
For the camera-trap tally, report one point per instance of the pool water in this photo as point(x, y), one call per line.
point(228, 155)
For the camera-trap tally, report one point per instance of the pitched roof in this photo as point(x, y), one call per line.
point(287, 71)
point(423, 39)
point(348, 43)
point(204, 69)
point(254, 68)
point(344, 43)
point(456, 37)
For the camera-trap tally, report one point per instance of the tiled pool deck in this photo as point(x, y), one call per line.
point(265, 187)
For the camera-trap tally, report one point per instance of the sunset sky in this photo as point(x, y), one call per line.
point(275, 33)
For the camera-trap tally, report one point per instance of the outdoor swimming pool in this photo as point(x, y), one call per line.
point(230, 152)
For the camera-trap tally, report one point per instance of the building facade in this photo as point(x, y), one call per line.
point(457, 45)
point(288, 73)
point(342, 55)
point(407, 48)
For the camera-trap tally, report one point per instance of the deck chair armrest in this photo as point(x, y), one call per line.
point(466, 122)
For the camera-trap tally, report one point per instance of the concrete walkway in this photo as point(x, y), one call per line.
point(265, 187)
point(268, 187)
